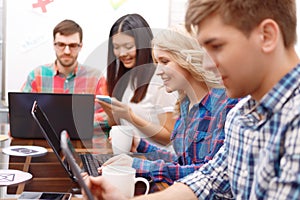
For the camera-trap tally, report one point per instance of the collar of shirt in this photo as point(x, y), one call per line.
point(55, 68)
point(280, 94)
point(213, 96)
point(274, 100)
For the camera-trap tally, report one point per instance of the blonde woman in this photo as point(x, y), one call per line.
point(202, 107)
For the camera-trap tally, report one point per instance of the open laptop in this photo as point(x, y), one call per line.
point(90, 162)
point(72, 163)
point(72, 112)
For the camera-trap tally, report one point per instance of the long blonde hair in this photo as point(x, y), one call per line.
point(184, 49)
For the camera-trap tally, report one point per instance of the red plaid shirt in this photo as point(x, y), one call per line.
point(84, 80)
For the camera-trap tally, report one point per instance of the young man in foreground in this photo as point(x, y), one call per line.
point(252, 43)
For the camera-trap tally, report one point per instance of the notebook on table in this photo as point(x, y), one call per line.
point(89, 162)
point(72, 112)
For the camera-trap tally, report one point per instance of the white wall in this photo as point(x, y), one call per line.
point(29, 30)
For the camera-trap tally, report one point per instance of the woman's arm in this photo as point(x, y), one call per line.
point(158, 132)
point(102, 189)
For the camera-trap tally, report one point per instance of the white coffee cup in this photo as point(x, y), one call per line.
point(123, 178)
point(121, 138)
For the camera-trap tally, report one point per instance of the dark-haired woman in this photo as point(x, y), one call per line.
point(139, 97)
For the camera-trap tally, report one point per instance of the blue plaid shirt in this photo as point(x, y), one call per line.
point(198, 134)
point(261, 155)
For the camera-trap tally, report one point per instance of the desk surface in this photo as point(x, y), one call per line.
point(48, 174)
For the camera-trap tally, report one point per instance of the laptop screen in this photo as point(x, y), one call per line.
point(50, 135)
point(72, 112)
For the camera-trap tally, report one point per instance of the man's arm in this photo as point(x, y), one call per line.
point(211, 180)
point(176, 191)
point(29, 85)
point(102, 189)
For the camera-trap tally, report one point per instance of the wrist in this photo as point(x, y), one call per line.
point(131, 116)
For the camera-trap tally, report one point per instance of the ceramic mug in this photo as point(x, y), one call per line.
point(121, 138)
point(123, 177)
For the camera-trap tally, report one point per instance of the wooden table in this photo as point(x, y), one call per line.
point(49, 175)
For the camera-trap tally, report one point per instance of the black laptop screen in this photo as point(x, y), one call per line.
point(50, 135)
point(72, 112)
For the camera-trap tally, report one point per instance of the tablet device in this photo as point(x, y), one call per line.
point(104, 98)
point(67, 149)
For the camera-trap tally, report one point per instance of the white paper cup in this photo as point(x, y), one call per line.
point(123, 178)
point(121, 138)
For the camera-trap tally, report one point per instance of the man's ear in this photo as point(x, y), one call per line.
point(269, 34)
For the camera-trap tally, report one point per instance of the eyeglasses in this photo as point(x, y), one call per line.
point(72, 46)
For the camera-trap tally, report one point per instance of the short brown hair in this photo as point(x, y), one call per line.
point(67, 27)
point(245, 15)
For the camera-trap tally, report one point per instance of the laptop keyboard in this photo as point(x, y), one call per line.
point(91, 162)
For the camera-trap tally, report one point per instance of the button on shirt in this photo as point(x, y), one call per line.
point(198, 134)
point(261, 155)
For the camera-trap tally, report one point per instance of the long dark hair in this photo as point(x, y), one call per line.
point(118, 76)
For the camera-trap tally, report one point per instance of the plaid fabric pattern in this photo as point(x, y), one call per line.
point(198, 134)
point(261, 155)
point(84, 80)
point(47, 79)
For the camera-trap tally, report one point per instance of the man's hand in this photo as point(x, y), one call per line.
point(102, 189)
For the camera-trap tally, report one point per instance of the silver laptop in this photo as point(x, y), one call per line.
point(72, 112)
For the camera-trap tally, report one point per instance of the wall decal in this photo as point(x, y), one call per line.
point(42, 4)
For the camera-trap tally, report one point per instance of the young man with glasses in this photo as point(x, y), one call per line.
point(66, 74)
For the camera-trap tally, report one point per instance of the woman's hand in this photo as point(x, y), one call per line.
point(120, 160)
point(121, 110)
point(116, 110)
point(107, 107)
point(135, 143)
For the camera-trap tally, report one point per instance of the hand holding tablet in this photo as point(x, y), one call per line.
point(105, 98)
